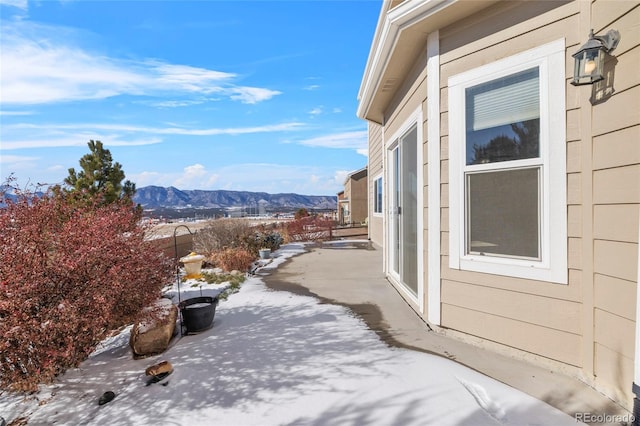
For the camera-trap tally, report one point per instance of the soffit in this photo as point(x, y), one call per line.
point(401, 37)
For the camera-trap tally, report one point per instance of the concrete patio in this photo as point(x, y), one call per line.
point(350, 273)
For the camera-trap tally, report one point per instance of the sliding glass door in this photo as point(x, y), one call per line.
point(403, 211)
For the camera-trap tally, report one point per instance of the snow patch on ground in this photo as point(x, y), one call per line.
point(275, 358)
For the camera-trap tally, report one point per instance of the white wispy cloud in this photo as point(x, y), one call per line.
point(300, 179)
point(18, 164)
point(340, 176)
point(16, 113)
point(194, 176)
point(312, 87)
point(8, 159)
point(161, 130)
point(172, 103)
point(315, 111)
point(251, 95)
point(77, 139)
point(19, 4)
point(347, 140)
point(117, 134)
point(187, 77)
point(40, 64)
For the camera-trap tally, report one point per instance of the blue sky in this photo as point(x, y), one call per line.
point(237, 95)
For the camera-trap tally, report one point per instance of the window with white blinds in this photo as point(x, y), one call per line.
point(506, 100)
point(507, 166)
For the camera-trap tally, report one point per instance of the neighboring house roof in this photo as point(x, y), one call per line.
point(408, 25)
point(358, 174)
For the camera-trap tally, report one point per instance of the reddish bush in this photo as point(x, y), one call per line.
point(233, 259)
point(70, 273)
point(309, 228)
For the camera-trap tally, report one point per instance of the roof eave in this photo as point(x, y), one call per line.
point(354, 173)
point(390, 26)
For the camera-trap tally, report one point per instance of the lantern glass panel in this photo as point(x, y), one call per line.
point(588, 66)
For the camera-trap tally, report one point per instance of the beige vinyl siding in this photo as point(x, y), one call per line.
point(613, 295)
point(456, 56)
point(522, 335)
point(614, 149)
point(375, 169)
point(606, 12)
point(533, 316)
point(355, 190)
point(529, 308)
point(411, 96)
point(375, 149)
point(614, 352)
point(616, 203)
point(619, 112)
point(614, 373)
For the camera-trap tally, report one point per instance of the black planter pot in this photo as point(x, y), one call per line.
point(198, 312)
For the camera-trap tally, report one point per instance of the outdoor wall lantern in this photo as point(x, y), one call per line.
point(589, 60)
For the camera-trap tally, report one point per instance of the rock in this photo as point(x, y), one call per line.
point(106, 397)
point(152, 337)
point(161, 367)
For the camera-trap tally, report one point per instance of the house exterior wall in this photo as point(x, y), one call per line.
point(375, 170)
point(408, 99)
point(342, 208)
point(355, 194)
point(358, 199)
point(571, 324)
point(611, 161)
point(534, 316)
point(587, 326)
point(348, 218)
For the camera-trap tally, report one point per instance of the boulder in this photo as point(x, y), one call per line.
point(150, 337)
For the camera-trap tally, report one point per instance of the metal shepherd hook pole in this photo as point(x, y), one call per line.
point(175, 248)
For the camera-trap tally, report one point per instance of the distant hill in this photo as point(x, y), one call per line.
point(10, 195)
point(150, 197)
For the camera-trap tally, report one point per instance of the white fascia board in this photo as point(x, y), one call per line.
point(376, 41)
point(387, 34)
point(350, 175)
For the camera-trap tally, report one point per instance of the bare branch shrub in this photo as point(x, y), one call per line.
point(309, 228)
point(233, 259)
point(70, 272)
point(221, 234)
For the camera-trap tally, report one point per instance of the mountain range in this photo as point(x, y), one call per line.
point(150, 197)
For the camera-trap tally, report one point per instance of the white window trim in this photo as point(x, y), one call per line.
point(433, 179)
point(381, 212)
point(552, 267)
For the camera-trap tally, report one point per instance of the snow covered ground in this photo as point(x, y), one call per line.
point(275, 358)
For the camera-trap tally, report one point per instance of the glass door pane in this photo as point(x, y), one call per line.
point(395, 211)
point(409, 210)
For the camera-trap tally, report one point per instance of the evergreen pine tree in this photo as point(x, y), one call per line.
point(100, 177)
